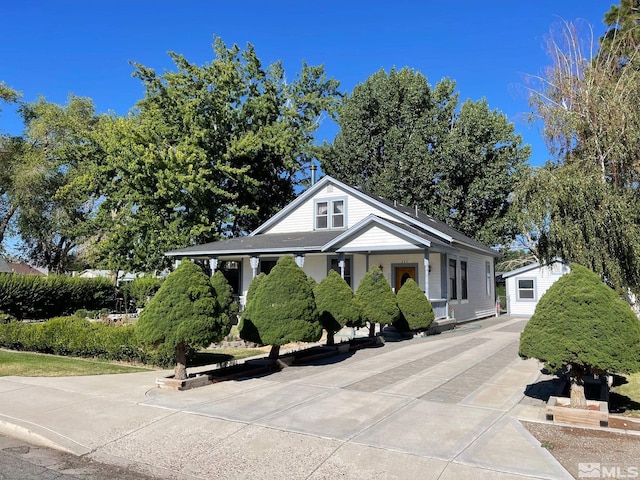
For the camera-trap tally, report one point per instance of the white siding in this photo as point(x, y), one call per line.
point(435, 283)
point(301, 218)
point(543, 278)
point(375, 237)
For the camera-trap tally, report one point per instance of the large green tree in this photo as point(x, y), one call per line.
point(211, 151)
point(54, 185)
point(183, 314)
point(583, 326)
point(9, 166)
point(407, 141)
point(584, 205)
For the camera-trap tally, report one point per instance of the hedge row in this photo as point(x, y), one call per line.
point(36, 297)
point(75, 336)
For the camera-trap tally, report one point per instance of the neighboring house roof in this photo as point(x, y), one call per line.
point(19, 268)
point(409, 224)
point(528, 268)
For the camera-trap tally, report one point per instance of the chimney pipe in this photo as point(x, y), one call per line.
point(314, 168)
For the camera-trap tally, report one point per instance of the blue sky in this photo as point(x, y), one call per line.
point(84, 47)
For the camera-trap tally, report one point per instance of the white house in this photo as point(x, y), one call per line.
point(332, 225)
point(526, 285)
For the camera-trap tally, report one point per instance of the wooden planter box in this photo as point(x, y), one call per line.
point(597, 413)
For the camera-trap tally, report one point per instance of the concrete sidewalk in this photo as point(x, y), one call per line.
point(441, 407)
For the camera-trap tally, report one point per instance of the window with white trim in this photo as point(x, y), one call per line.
point(333, 264)
point(526, 288)
point(453, 279)
point(487, 267)
point(330, 214)
point(463, 280)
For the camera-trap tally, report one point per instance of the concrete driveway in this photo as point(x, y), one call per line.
point(441, 407)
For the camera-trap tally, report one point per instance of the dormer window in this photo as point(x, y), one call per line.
point(330, 214)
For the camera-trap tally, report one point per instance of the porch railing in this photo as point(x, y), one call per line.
point(440, 307)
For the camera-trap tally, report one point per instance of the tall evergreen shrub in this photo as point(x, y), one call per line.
point(583, 326)
point(377, 300)
point(415, 307)
point(336, 305)
point(184, 313)
point(282, 309)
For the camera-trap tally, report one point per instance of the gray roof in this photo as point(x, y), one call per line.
point(263, 243)
point(422, 225)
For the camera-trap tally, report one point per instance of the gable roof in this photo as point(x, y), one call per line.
point(528, 268)
point(406, 215)
point(411, 225)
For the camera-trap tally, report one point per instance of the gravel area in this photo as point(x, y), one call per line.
point(610, 454)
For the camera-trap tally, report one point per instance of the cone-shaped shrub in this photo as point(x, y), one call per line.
point(282, 309)
point(223, 293)
point(183, 313)
point(377, 300)
point(336, 305)
point(583, 325)
point(416, 309)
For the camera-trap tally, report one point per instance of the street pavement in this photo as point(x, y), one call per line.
point(439, 407)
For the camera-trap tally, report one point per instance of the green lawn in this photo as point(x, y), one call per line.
point(630, 390)
point(25, 364)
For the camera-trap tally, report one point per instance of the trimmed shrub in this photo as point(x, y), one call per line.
point(377, 300)
point(39, 297)
point(582, 325)
point(78, 337)
point(184, 313)
point(224, 295)
point(415, 307)
point(336, 305)
point(141, 290)
point(282, 309)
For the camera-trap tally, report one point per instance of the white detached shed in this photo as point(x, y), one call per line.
point(526, 285)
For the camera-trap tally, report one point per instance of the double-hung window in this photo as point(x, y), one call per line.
point(453, 279)
point(463, 280)
point(330, 214)
point(526, 289)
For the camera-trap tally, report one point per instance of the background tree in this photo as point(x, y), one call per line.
point(55, 191)
point(582, 325)
point(211, 151)
point(406, 141)
point(9, 163)
point(377, 300)
point(183, 314)
point(417, 312)
point(336, 305)
point(584, 205)
point(282, 309)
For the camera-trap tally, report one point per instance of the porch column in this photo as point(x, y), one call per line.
point(341, 264)
point(176, 264)
point(213, 265)
point(254, 262)
point(426, 273)
point(299, 257)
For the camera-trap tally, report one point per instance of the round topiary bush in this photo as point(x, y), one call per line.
point(336, 305)
point(416, 309)
point(582, 325)
point(183, 313)
point(282, 309)
point(377, 300)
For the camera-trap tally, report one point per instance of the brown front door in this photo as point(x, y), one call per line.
point(403, 274)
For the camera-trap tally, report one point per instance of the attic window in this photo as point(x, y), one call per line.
point(330, 213)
